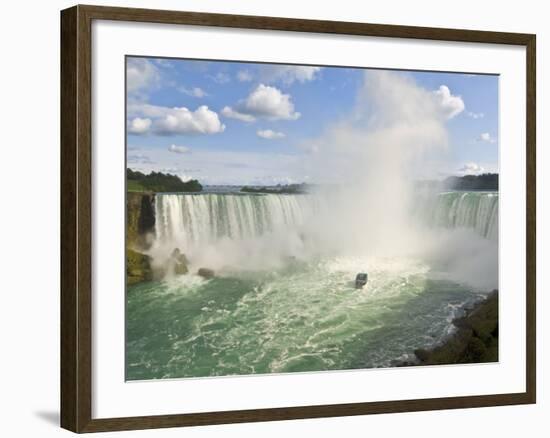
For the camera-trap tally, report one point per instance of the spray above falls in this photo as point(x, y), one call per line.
point(364, 167)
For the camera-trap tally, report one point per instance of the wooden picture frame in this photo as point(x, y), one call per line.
point(76, 217)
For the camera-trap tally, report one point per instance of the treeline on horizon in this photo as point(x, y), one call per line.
point(278, 189)
point(485, 181)
point(159, 182)
point(165, 182)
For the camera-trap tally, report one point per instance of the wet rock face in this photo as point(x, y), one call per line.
point(206, 273)
point(180, 269)
point(146, 223)
point(180, 262)
point(138, 267)
point(140, 219)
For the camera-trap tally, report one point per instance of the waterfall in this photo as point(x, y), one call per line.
point(474, 210)
point(190, 220)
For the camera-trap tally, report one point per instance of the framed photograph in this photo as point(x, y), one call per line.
point(269, 218)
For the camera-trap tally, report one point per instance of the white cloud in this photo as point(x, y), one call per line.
point(269, 134)
point(450, 105)
point(486, 137)
point(475, 115)
point(183, 121)
point(232, 114)
point(140, 74)
point(220, 78)
point(194, 92)
point(269, 102)
point(283, 74)
point(288, 74)
point(471, 168)
point(264, 102)
point(139, 126)
point(164, 63)
point(178, 149)
point(175, 121)
point(138, 109)
point(139, 159)
point(244, 76)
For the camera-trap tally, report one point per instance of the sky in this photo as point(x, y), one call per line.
point(249, 123)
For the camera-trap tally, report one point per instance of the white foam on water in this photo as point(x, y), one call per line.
point(231, 232)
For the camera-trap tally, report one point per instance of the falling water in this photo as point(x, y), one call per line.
point(193, 220)
point(474, 210)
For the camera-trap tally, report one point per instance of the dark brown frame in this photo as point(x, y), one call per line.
point(76, 218)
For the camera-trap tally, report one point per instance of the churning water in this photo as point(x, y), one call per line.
point(301, 313)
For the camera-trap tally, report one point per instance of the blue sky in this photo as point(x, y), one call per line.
point(248, 123)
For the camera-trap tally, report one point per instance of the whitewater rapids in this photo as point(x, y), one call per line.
point(301, 313)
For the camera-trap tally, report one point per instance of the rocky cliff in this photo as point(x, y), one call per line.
point(140, 224)
point(140, 220)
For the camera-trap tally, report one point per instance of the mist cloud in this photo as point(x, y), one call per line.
point(373, 151)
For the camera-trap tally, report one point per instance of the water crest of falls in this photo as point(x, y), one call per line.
point(193, 220)
point(473, 210)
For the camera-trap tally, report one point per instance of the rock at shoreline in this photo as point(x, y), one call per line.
point(206, 273)
point(475, 340)
point(138, 267)
point(180, 262)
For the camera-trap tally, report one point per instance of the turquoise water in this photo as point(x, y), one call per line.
point(302, 317)
point(278, 305)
